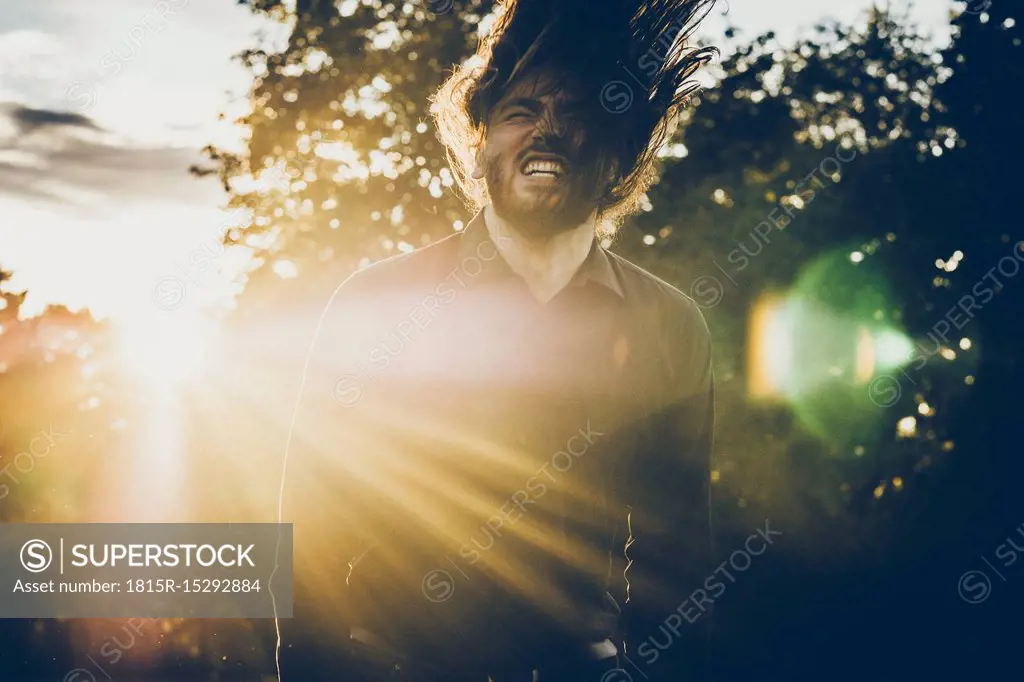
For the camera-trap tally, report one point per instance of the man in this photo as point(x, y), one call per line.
point(506, 435)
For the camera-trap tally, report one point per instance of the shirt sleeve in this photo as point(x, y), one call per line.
point(321, 493)
point(670, 550)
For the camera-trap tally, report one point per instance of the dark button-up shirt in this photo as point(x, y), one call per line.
point(499, 469)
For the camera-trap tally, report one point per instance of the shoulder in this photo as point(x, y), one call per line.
point(674, 311)
point(375, 297)
point(401, 272)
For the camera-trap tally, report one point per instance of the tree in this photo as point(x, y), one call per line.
point(342, 163)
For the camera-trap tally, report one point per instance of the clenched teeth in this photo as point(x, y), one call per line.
point(552, 168)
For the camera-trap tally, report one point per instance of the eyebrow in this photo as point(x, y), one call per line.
point(525, 102)
point(564, 107)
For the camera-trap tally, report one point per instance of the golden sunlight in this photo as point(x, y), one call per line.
point(165, 350)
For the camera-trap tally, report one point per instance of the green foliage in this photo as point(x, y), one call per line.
point(344, 110)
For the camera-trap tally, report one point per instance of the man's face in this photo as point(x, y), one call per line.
point(540, 160)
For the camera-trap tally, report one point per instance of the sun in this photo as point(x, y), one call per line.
point(164, 349)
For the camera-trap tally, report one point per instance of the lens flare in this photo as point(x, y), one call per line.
point(818, 347)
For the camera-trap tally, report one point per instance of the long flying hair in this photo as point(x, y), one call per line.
point(631, 61)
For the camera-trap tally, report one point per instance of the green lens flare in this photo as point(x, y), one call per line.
point(892, 348)
point(819, 346)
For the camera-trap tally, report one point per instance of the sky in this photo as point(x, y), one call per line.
point(104, 106)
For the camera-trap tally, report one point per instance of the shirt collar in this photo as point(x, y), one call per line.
point(475, 243)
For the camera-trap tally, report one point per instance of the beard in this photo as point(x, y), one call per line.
point(541, 213)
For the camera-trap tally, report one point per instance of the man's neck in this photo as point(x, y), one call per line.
point(546, 265)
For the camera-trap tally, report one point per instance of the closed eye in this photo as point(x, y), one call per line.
point(518, 114)
point(519, 109)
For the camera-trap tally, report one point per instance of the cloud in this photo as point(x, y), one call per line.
point(29, 119)
point(68, 161)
